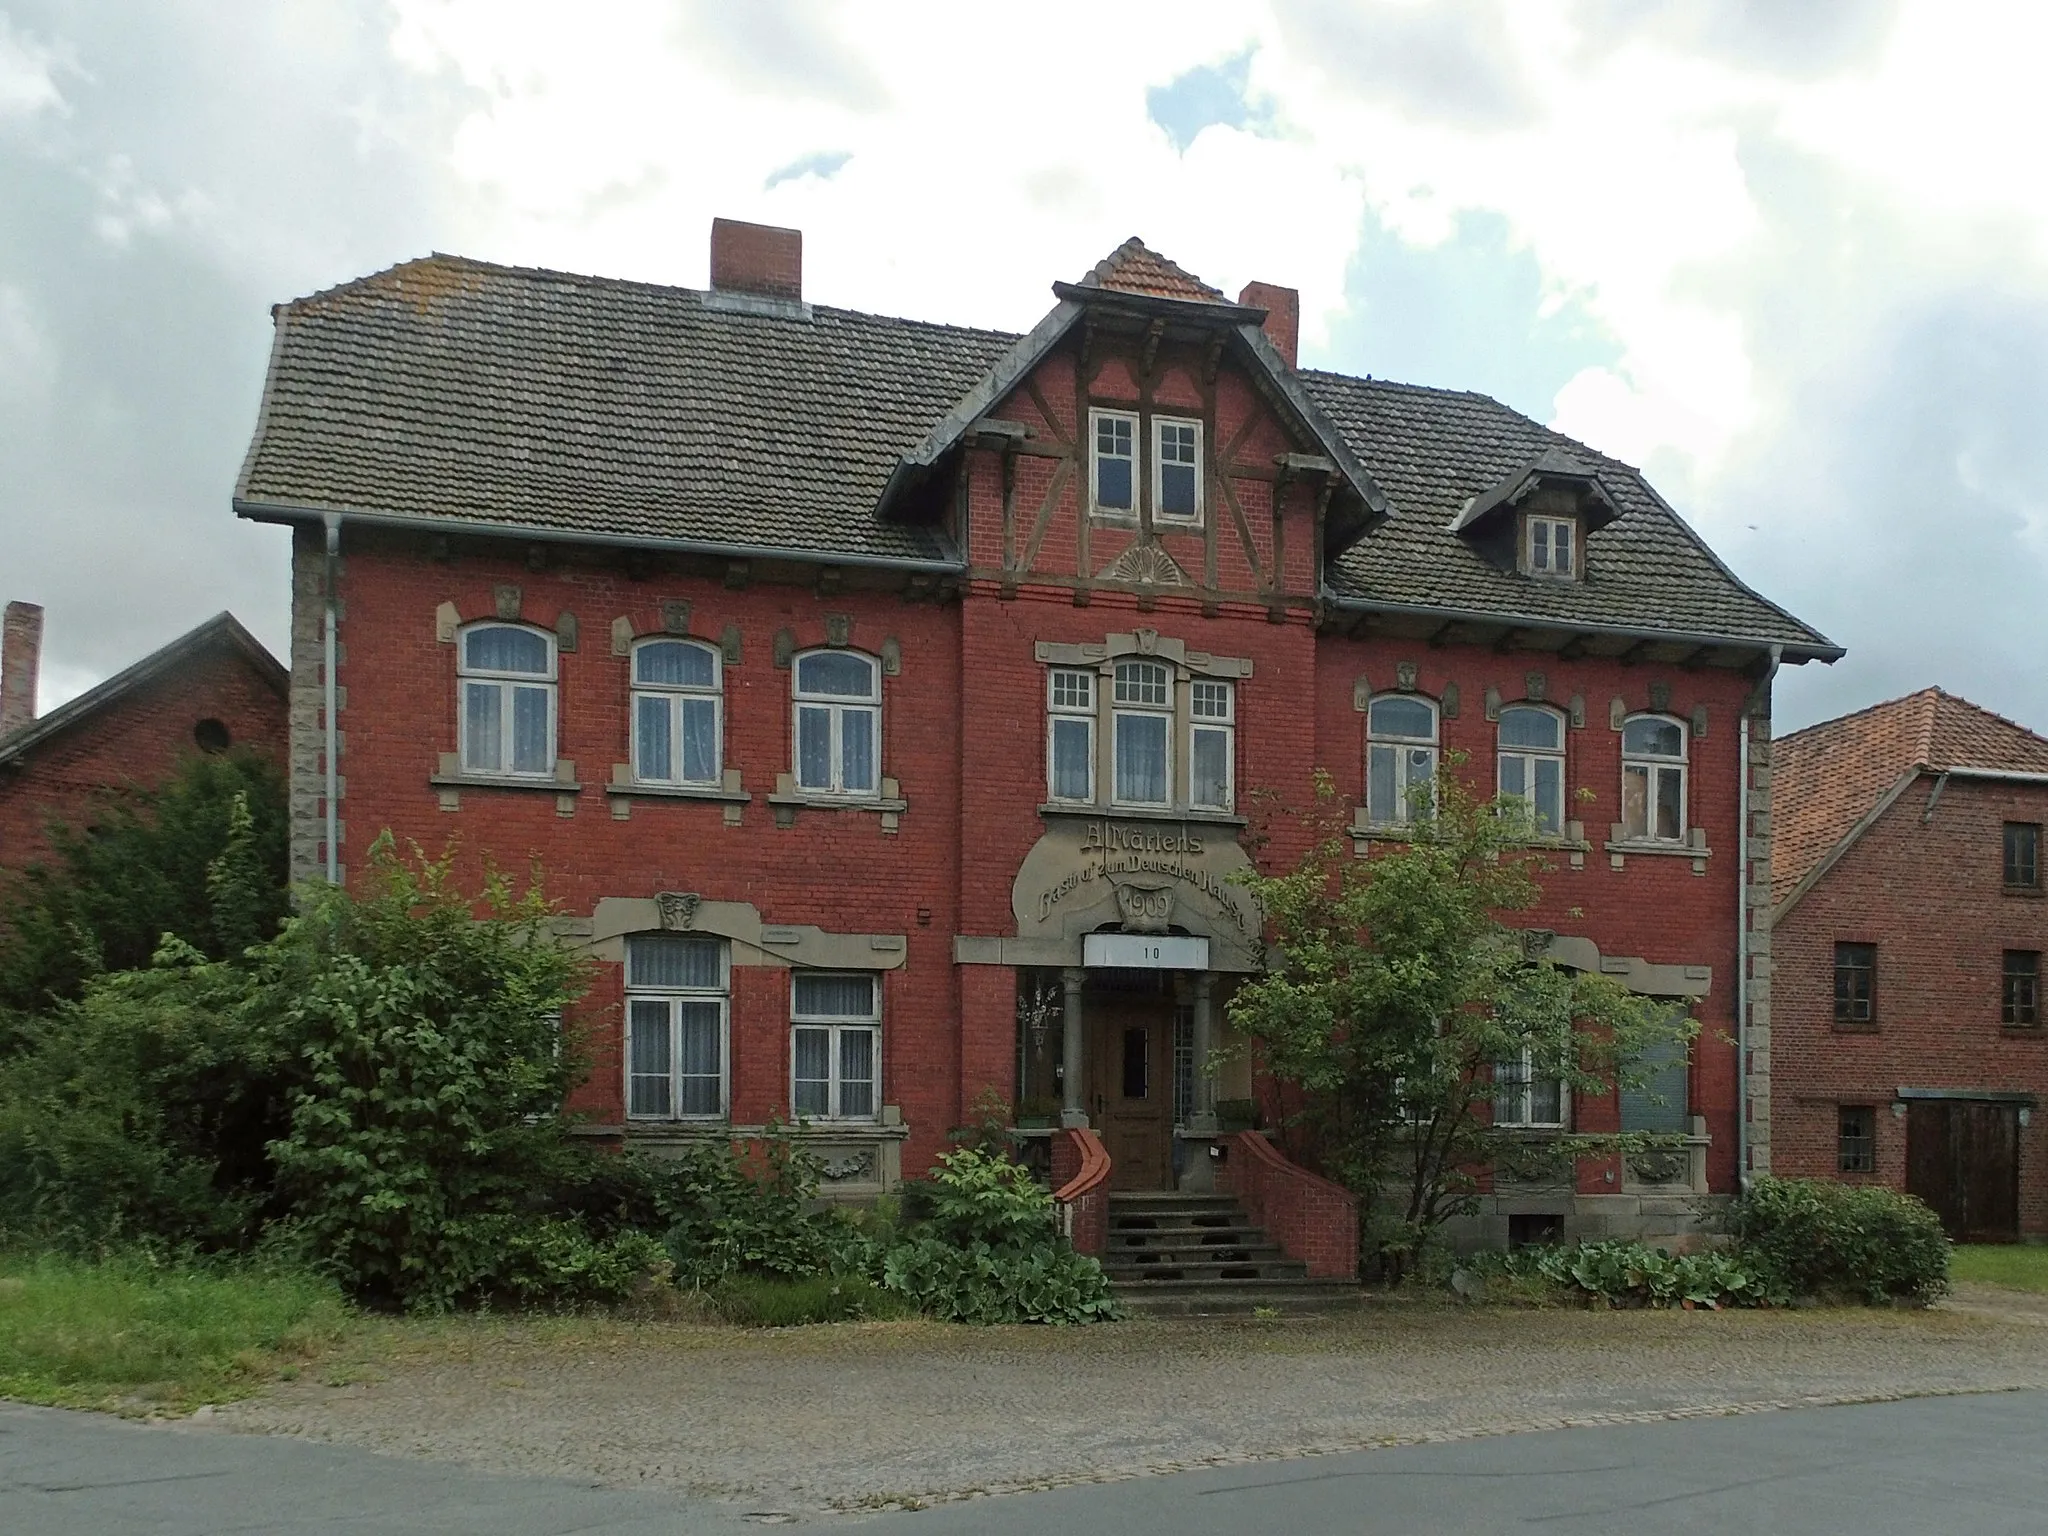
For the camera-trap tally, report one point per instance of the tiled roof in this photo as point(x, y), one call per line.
point(1828, 777)
point(1433, 450)
point(1134, 267)
point(450, 388)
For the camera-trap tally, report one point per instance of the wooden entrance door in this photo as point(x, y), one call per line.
point(1130, 1094)
point(1963, 1159)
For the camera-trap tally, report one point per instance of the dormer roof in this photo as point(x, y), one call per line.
point(1554, 468)
point(1135, 267)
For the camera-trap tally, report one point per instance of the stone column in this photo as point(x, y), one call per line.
point(1072, 1110)
point(1202, 1120)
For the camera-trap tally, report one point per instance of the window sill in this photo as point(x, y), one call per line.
point(838, 802)
point(681, 792)
point(2022, 1032)
point(1621, 849)
point(506, 781)
point(2026, 892)
point(1841, 1028)
point(1141, 813)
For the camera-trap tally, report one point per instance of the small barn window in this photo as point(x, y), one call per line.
point(1855, 984)
point(1856, 1138)
point(211, 736)
point(2021, 1002)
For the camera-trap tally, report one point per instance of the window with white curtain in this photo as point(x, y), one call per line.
point(676, 713)
point(676, 1010)
point(1400, 758)
point(507, 722)
point(1141, 726)
point(1524, 1096)
point(1532, 763)
point(1211, 745)
point(838, 723)
point(1070, 735)
point(835, 1045)
point(1653, 779)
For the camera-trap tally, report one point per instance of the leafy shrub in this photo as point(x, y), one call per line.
point(551, 1262)
point(985, 1248)
point(1635, 1274)
point(1820, 1238)
point(757, 1302)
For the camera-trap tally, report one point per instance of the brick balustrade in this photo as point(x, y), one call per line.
point(1311, 1218)
point(1080, 1174)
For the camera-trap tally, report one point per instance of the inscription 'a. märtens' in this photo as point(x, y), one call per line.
point(1108, 837)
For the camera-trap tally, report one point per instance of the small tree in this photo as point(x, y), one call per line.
point(1401, 991)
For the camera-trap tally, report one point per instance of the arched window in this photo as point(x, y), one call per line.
point(1532, 763)
point(508, 700)
point(1400, 758)
point(1653, 754)
point(1141, 727)
point(676, 715)
point(838, 723)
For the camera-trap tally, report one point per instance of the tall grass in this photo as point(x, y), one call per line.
point(128, 1331)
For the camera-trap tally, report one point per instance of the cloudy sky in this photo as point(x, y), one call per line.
point(1792, 258)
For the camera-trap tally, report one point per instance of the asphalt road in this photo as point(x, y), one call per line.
point(1973, 1464)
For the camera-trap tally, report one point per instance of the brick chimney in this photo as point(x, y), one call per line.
point(21, 651)
point(1283, 315)
point(758, 259)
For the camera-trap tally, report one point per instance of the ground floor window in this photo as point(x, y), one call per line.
point(1856, 1138)
point(1183, 1063)
point(676, 1007)
point(1524, 1096)
point(835, 1045)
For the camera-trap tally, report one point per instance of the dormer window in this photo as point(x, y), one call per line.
point(1178, 447)
point(1551, 546)
point(1115, 467)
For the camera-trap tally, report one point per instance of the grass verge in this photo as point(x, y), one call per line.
point(132, 1335)
point(2016, 1266)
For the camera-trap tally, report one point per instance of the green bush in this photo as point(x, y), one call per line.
point(756, 1301)
point(1820, 1238)
point(1635, 1274)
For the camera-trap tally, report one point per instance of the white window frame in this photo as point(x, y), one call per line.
point(1223, 725)
point(1121, 710)
point(1529, 757)
point(1651, 765)
point(1095, 456)
point(1070, 714)
point(837, 1025)
point(672, 998)
point(841, 705)
point(1402, 813)
point(1521, 1079)
point(1158, 435)
point(673, 695)
point(506, 683)
point(1550, 570)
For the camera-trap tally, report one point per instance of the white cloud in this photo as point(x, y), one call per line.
point(28, 83)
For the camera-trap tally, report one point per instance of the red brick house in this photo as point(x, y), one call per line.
point(210, 689)
point(885, 699)
point(1909, 926)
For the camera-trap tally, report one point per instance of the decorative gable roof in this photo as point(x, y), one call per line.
point(1553, 467)
point(1831, 781)
point(1134, 267)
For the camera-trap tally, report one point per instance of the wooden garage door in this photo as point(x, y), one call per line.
point(1963, 1158)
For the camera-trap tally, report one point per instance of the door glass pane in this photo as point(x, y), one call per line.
point(648, 1051)
point(700, 741)
point(1072, 746)
point(1209, 773)
point(1137, 1051)
point(811, 1058)
point(530, 752)
point(857, 749)
point(699, 1045)
point(814, 748)
point(483, 723)
point(1670, 782)
point(650, 726)
point(856, 1072)
point(1141, 759)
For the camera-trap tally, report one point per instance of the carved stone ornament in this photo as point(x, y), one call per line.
point(729, 643)
point(1658, 1167)
point(1699, 722)
point(1148, 641)
point(838, 628)
point(1361, 693)
point(1536, 942)
point(1405, 674)
point(567, 632)
point(1534, 686)
point(675, 616)
point(1577, 711)
point(507, 601)
point(1146, 565)
point(1617, 712)
point(678, 909)
point(853, 1165)
point(1144, 908)
point(1660, 697)
point(1493, 703)
point(785, 649)
point(1450, 701)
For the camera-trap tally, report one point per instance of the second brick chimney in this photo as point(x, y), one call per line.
point(757, 258)
point(21, 653)
point(1283, 315)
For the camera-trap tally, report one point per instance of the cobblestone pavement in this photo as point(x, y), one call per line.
point(868, 1416)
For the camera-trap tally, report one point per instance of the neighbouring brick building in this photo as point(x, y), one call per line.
point(210, 689)
point(1909, 927)
point(885, 699)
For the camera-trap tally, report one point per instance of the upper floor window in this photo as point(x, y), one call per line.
point(835, 1045)
point(1524, 1095)
point(2020, 1002)
point(1400, 757)
point(2022, 856)
point(508, 700)
point(838, 723)
point(1653, 779)
point(675, 712)
point(676, 1001)
point(1114, 463)
point(1211, 730)
point(1177, 453)
point(1070, 735)
point(1855, 984)
point(1550, 546)
point(1141, 731)
point(1532, 763)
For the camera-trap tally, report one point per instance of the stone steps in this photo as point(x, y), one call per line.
point(1181, 1255)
